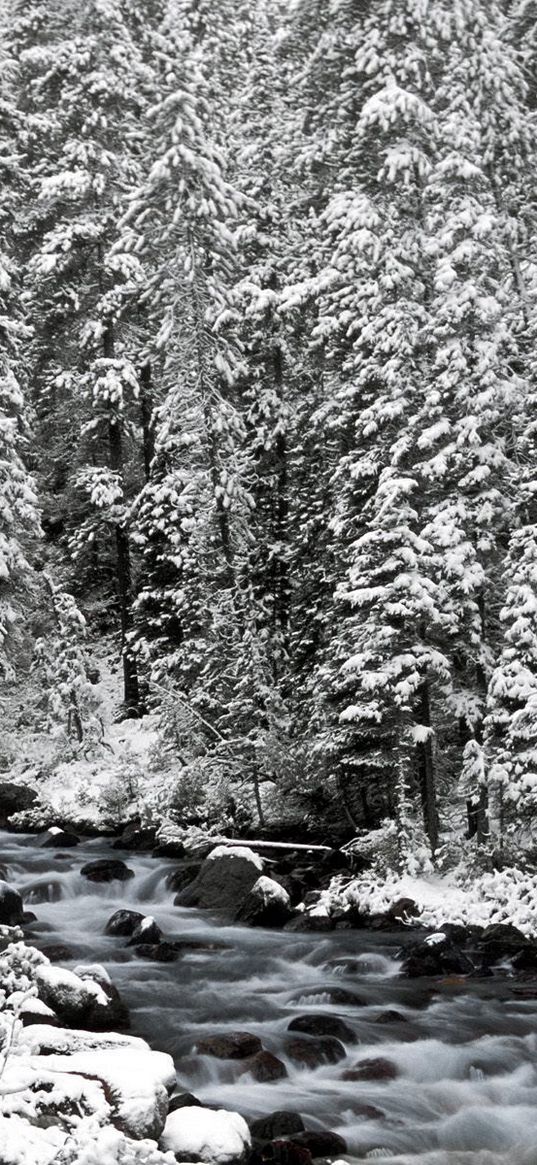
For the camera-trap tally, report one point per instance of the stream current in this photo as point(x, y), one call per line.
point(465, 1053)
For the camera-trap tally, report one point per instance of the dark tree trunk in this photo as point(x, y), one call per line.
point(426, 770)
point(146, 407)
point(131, 692)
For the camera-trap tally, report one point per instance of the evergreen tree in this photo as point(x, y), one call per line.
point(19, 523)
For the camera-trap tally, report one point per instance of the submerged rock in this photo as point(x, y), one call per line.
point(107, 870)
point(323, 1025)
point(264, 1067)
point(196, 1134)
point(230, 1046)
point(375, 1068)
point(311, 1053)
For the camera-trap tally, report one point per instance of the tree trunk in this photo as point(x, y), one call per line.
point(146, 406)
point(131, 693)
point(426, 770)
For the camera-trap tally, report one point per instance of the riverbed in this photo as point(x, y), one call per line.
point(464, 1055)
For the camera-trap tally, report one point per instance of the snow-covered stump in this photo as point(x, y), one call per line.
point(217, 1138)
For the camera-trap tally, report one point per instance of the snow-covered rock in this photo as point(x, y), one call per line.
point(267, 904)
point(83, 998)
point(225, 879)
point(195, 1134)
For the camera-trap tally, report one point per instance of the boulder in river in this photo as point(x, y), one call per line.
point(311, 1052)
point(14, 799)
point(184, 1100)
point(435, 956)
point(123, 922)
point(266, 904)
point(224, 880)
point(147, 931)
point(183, 875)
point(264, 1067)
point(201, 1134)
point(56, 838)
point(229, 1045)
point(323, 1025)
point(107, 870)
point(134, 837)
point(275, 1125)
point(11, 906)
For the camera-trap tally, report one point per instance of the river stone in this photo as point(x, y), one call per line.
point(134, 838)
point(376, 1068)
point(11, 906)
point(264, 1067)
point(229, 1046)
point(275, 1125)
point(435, 956)
point(123, 922)
point(155, 952)
point(14, 799)
point(309, 920)
point(56, 838)
point(57, 952)
point(311, 1053)
point(182, 876)
point(224, 881)
point(184, 1100)
point(217, 1138)
point(320, 1142)
point(323, 1025)
point(107, 870)
point(44, 891)
point(146, 931)
point(267, 904)
point(390, 1016)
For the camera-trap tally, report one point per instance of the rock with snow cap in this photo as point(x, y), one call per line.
point(267, 904)
point(82, 998)
point(56, 838)
point(196, 1134)
point(224, 880)
point(145, 932)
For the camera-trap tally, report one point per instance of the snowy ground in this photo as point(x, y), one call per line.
point(505, 896)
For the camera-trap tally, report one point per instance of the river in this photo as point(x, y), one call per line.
point(465, 1054)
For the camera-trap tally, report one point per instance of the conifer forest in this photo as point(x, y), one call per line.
point(268, 426)
point(268, 582)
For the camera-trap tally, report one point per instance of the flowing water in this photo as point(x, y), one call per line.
point(466, 1054)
